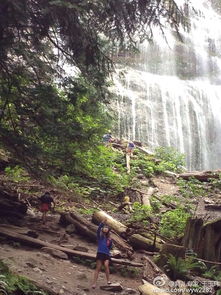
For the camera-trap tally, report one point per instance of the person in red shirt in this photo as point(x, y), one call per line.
point(46, 202)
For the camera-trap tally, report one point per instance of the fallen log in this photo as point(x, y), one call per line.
point(137, 241)
point(99, 216)
point(39, 244)
point(200, 175)
point(154, 266)
point(146, 196)
point(89, 230)
point(149, 289)
point(140, 242)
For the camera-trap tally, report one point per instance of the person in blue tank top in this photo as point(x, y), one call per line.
point(103, 252)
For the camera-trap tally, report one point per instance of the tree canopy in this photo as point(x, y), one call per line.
point(38, 119)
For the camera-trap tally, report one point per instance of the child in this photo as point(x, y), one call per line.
point(45, 205)
point(103, 252)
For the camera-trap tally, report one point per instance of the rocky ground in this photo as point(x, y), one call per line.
point(60, 274)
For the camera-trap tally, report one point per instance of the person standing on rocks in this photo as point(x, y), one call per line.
point(103, 252)
point(46, 202)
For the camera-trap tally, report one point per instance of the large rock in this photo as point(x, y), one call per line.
point(55, 253)
point(112, 288)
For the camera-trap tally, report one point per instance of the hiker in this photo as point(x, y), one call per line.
point(126, 205)
point(107, 138)
point(130, 148)
point(103, 252)
point(46, 202)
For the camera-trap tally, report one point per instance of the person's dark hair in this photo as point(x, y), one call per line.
point(47, 194)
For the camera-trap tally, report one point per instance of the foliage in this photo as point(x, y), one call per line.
point(179, 268)
point(89, 211)
point(173, 223)
point(141, 212)
point(170, 158)
point(46, 127)
point(191, 188)
point(16, 284)
point(215, 182)
point(143, 164)
point(213, 273)
point(17, 173)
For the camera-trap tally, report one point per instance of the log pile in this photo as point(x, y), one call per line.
point(87, 229)
point(137, 241)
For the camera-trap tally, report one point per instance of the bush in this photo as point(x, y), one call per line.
point(141, 212)
point(173, 223)
point(191, 188)
point(17, 174)
point(13, 284)
point(179, 268)
point(172, 160)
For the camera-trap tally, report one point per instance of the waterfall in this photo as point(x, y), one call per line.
point(170, 93)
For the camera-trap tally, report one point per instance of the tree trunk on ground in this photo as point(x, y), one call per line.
point(149, 289)
point(204, 239)
point(137, 241)
point(146, 196)
point(200, 175)
point(117, 226)
point(140, 242)
point(89, 230)
point(11, 234)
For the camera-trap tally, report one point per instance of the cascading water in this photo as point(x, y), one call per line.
point(170, 94)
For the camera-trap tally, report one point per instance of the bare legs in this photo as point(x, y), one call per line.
point(98, 269)
point(44, 217)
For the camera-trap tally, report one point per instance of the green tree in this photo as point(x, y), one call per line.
point(44, 126)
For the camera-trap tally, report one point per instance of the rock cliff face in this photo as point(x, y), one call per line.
point(204, 239)
point(169, 93)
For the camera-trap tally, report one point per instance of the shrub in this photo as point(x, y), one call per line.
point(179, 268)
point(173, 223)
point(17, 174)
point(141, 212)
point(191, 188)
point(172, 160)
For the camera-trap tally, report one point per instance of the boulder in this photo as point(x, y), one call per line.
point(112, 287)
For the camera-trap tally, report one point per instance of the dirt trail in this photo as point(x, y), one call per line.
point(62, 276)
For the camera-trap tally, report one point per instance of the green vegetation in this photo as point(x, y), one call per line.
point(180, 268)
point(141, 213)
point(213, 273)
point(13, 284)
point(173, 223)
point(52, 119)
point(17, 174)
point(170, 158)
point(191, 188)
